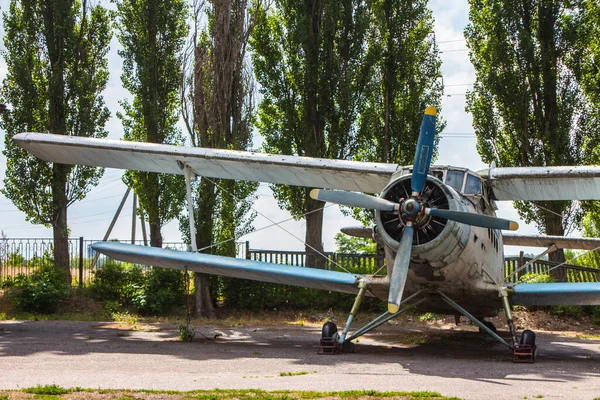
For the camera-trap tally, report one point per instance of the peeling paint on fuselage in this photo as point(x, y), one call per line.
point(464, 262)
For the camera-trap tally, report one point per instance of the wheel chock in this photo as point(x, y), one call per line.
point(524, 353)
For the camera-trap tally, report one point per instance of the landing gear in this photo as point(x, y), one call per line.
point(329, 335)
point(525, 351)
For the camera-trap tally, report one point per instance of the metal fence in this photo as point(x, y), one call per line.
point(26, 255)
point(559, 271)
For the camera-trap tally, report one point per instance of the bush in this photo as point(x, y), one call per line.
point(536, 278)
point(117, 283)
point(161, 290)
point(41, 292)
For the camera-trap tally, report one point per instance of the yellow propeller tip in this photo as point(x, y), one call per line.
point(393, 308)
point(314, 194)
point(513, 226)
point(431, 111)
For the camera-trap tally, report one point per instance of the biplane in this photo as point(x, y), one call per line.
point(443, 242)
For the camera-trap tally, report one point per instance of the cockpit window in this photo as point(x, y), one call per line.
point(438, 174)
point(455, 179)
point(473, 185)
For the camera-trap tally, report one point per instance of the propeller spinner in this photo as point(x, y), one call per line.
point(411, 208)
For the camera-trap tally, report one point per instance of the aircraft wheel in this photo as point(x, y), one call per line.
point(329, 338)
point(488, 324)
point(329, 330)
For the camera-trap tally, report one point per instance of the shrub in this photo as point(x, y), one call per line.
point(161, 290)
point(117, 283)
point(41, 292)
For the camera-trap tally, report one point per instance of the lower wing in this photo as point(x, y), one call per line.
point(556, 294)
point(232, 267)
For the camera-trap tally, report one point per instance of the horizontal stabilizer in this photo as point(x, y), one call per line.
point(358, 231)
point(560, 242)
point(556, 294)
point(232, 267)
point(215, 163)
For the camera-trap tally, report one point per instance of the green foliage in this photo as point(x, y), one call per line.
point(186, 334)
point(354, 245)
point(568, 311)
point(536, 278)
point(161, 290)
point(56, 60)
point(527, 102)
point(47, 390)
point(41, 292)
point(250, 295)
point(117, 284)
point(152, 34)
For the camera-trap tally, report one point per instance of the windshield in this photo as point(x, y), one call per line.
point(455, 179)
point(473, 185)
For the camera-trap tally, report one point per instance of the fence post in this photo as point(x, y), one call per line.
point(80, 261)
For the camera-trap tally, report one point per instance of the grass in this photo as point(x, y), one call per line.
point(50, 392)
point(293, 373)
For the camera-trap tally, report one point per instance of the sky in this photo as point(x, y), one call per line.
point(91, 217)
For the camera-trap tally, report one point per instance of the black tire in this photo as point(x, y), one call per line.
point(528, 337)
point(489, 325)
point(329, 330)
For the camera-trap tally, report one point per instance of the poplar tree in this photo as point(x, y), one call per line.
point(309, 58)
point(527, 104)
point(218, 111)
point(56, 58)
point(152, 33)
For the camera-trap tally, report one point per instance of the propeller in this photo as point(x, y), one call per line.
point(411, 208)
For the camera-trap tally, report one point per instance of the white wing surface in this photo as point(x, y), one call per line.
point(214, 163)
point(544, 183)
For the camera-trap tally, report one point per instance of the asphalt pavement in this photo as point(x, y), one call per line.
point(452, 362)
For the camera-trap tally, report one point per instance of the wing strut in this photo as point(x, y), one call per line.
point(189, 175)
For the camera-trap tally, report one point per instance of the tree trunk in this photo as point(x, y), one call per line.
point(314, 234)
point(203, 303)
point(59, 225)
point(553, 224)
point(204, 227)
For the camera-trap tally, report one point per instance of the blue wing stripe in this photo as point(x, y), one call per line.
point(550, 294)
point(232, 267)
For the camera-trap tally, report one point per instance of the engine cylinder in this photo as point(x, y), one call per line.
point(436, 240)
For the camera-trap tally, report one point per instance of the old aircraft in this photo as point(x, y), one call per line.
point(443, 243)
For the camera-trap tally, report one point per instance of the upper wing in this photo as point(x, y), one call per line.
point(215, 163)
point(232, 267)
point(544, 183)
point(560, 242)
point(554, 294)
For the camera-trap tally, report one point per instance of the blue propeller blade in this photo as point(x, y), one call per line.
point(483, 221)
point(400, 270)
point(424, 151)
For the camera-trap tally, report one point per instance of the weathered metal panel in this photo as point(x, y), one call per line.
point(232, 267)
point(216, 163)
point(544, 183)
point(561, 242)
point(551, 294)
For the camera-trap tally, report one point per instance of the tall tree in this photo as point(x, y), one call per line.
point(406, 79)
point(218, 110)
point(57, 69)
point(310, 61)
point(152, 33)
point(527, 104)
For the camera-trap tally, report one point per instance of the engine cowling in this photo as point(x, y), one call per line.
point(436, 241)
